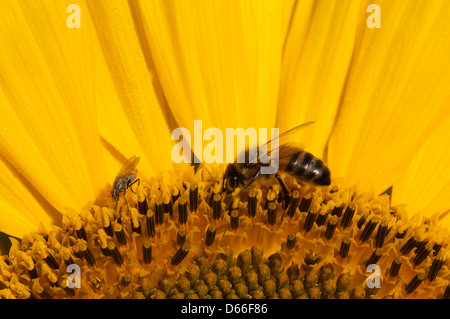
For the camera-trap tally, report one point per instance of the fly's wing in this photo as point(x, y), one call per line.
point(289, 140)
point(129, 166)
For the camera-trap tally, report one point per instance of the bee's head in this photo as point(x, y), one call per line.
point(115, 194)
point(230, 179)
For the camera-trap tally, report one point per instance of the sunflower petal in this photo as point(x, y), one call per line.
point(316, 58)
point(218, 61)
point(396, 92)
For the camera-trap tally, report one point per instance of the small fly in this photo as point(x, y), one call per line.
point(125, 178)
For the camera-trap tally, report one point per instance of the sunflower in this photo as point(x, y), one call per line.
point(85, 85)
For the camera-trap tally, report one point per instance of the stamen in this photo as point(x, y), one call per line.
point(182, 211)
point(337, 211)
point(376, 255)
point(109, 229)
point(168, 206)
point(345, 247)
point(306, 202)
point(331, 227)
point(51, 261)
point(143, 207)
point(147, 252)
point(181, 237)
point(159, 211)
point(395, 267)
point(81, 232)
point(321, 218)
point(115, 253)
point(422, 253)
point(295, 198)
point(310, 218)
point(126, 280)
point(348, 215)
point(234, 219)
point(252, 203)
point(180, 254)
point(415, 282)
point(435, 267)
point(33, 272)
point(436, 249)
point(151, 223)
point(272, 213)
point(87, 254)
point(291, 240)
point(217, 206)
point(120, 234)
point(210, 235)
point(361, 222)
point(368, 229)
point(410, 244)
point(381, 234)
point(193, 198)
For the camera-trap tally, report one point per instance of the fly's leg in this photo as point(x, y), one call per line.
point(132, 183)
point(285, 195)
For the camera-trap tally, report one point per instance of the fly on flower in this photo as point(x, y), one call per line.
point(125, 178)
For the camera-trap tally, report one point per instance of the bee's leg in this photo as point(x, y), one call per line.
point(285, 193)
point(117, 201)
point(126, 202)
point(131, 184)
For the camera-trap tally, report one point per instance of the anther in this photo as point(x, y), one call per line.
point(81, 232)
point(67, 258)
point(272, 213)
point(168, 207)
point(109, 229)
point(87, 254)
point(345, 247)
point(322, 217)
point(182, 211)
point(446, 294)
point(422, 253)
point(147, 252)
point(295, 198)
point(331, 227)
point(217, 206)
point(381, 234)
point(306, 202)
point(436, 248)
point(337, 211)
point(126, 280)
point(414, 283)
point(395, 267)
point(180, 254)
point(159, 211)
point(310, 218)
point(348, 215)
point(210, 235)
point(234, 219)
point(376, 255)
point(51, 261)
point(368, 230)
point(33, 272)
point(291, 240)
point(252, 203)
point(143, 207)
point(175, 194)
point(193, 198)
point(181, 237)
point(410, 244)
point(137, 228)
point(435, 267)
point(120, 234)
point(401, 234)
point(151, 223)
point(115, 253)
point(361, 222)
point(269, 199)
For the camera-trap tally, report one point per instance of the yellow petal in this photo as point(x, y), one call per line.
point(426, 184)
point(133, 117)
point(396, 92)
point(218, 61)
point(48, 114)
point(316, 58)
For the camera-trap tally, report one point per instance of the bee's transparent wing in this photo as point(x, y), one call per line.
point(289, 140)
point(129, 166)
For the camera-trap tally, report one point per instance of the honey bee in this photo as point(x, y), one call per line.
point(125, 178)
point(293, 160)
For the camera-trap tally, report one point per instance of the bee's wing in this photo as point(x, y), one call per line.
point(289, 140)
point(129, 166)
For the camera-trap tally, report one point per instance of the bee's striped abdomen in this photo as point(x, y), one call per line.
point(308, 168)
